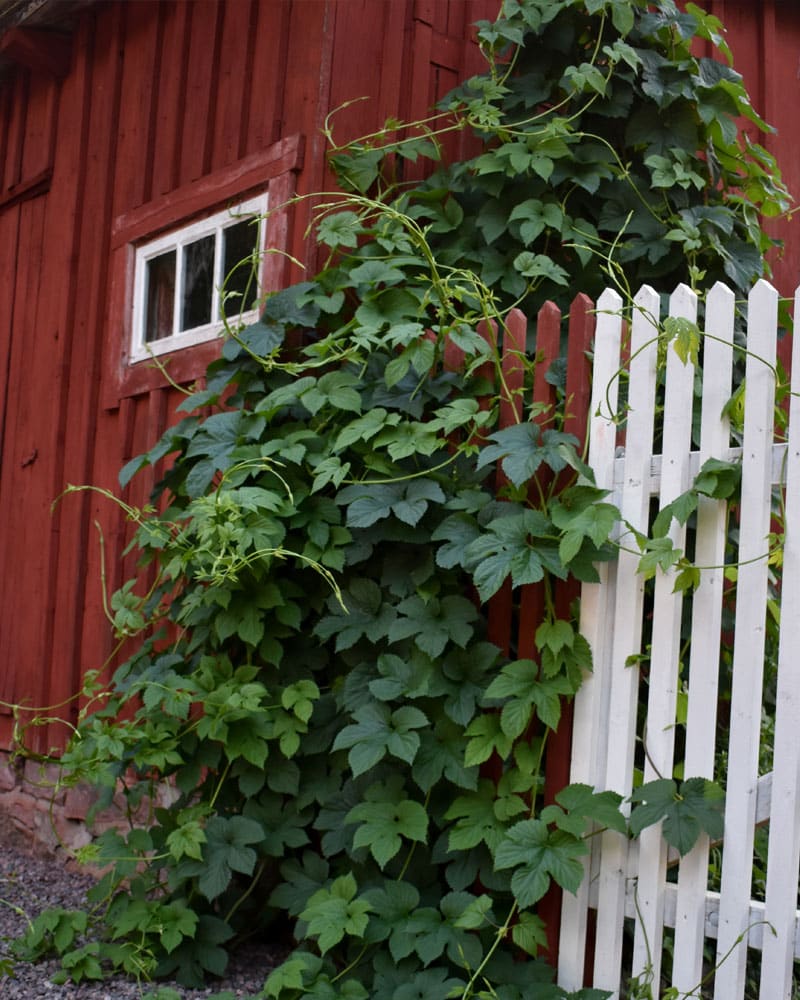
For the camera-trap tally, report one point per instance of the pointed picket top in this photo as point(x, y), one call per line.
point(683, 297)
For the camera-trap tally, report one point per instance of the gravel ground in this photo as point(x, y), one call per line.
point(34, 883)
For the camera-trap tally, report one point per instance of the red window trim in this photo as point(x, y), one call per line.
point(273, 169)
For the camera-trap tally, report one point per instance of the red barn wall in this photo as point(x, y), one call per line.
point(764, 37)
point(157, 95)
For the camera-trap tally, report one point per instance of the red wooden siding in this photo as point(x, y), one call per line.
point(157, 96)
point(764, 36)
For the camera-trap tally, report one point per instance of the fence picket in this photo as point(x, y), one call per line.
point(627, 631)
point(784, 836)
point(591, 707)
point(629, 880)
point(748, 656)
point(662, 687)
point(704, 657)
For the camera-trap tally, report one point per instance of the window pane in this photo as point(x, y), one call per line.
point(239, 267)
point(198, 283)
point(160, 296)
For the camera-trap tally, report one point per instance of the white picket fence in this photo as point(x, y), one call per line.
point(628, 885)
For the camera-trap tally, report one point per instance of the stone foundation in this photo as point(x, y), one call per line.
point(37, 815)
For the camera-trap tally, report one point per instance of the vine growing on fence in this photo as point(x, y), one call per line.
point(357, 769)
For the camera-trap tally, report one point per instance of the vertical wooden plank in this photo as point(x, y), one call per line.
point(662, 688)
point(10, 265)
point(136, 128)
point(6, 112)
point(204, 49)
point(513, 368)
point(624, 678)
point(232, 82)
point(704, 654)
point(748, 654)
point(86, 145)
point(777, 963)
point(15, 138)
point(268, 77)
point(40, 110)
point(393, 82)
point(171, 107)
point(591, 711)
point(306, 101)
point(26, 461)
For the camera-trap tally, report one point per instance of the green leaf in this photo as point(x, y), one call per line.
point(529, 933)
point(538, 265)
point(386, 818)
point(333, 913)
point(582, 803)
point(718, 479)
point(522, 448)
point(684, 335)
point(433, 623)
point(476, 819)
point(226, 850)
point(686, 808)
point(341, 229)
point(519, 681)
point(538, 854)
point(486, 736)
point(379, 731)
point(187, 841)
point(300, 969)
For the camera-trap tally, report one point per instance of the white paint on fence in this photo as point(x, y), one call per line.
point(591, 703)
point(630, 881)
point(780, 948)
point(627, 628)
point(703, 684)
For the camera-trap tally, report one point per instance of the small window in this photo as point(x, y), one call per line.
point(191, 282)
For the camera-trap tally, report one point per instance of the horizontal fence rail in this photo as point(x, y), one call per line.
point(662, 700)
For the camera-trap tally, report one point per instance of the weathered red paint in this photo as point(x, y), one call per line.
point(141, 105)
point(102, 127)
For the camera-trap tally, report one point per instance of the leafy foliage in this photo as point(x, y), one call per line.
point(351, 757)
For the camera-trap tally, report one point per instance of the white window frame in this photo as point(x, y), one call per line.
point(175, 240)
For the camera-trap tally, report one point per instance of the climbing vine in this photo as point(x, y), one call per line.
point(357, 770)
